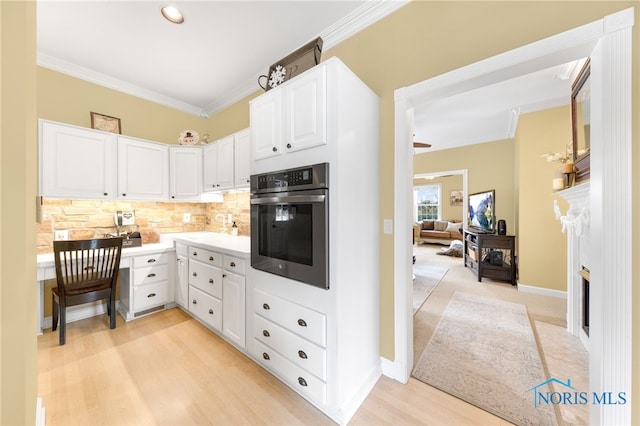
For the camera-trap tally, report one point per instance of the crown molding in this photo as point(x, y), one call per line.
point(100, 79)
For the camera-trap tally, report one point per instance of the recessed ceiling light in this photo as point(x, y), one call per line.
point(172, 14)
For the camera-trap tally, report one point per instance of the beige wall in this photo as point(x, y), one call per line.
point(540, 240)
point(420, 41)
point(18, 159)
point(489, 166)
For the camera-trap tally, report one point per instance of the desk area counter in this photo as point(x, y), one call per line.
point(237, 246)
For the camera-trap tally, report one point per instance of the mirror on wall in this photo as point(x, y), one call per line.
point(581, 122)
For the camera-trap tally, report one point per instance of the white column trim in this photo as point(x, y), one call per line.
point(610, 180)
point(611, 210)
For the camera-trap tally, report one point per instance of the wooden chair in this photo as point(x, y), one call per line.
point(86, 271)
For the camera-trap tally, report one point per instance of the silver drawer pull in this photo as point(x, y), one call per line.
point(151, 295)
point(232, 264)
point(151, 261)
point(266, 333)
point(211, 258)
point(210, 280)
point(302, 355)
point(266, 306)
point(195, 274)
point(151, 275)
point(211, 311)
point(302, 381)
point(195, 253)
point(302, 323)
point(195, 302)
point(266, 356)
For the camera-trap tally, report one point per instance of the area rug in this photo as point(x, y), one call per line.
point(484, 352)
point(427, 277)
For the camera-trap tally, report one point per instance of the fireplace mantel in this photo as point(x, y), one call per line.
point(576, 222)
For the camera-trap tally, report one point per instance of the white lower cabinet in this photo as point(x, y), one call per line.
point(182, 278)
point(206, 307)
point(290, 340)
point(216, 286)
point(147, 287)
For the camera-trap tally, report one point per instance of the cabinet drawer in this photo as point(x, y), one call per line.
point(206, 256)
point(302, 381)
point(149, 295)
point(150, 274)
point(296, 318)
point(151, 259)
point(206, 277)
point(305, 354)
point(205, 307)
point(234, 264)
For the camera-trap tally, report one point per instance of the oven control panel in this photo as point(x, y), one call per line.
point(310, 177)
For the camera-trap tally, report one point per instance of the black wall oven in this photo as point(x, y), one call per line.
point(290, 223)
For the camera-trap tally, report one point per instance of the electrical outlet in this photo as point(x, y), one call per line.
point(186, 217)
point(61, 235)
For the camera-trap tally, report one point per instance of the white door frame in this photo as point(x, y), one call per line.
point(608, 41)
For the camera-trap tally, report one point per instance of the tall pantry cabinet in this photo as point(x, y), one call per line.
point(324, 344)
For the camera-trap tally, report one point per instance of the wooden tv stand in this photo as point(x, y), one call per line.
point(491, 255)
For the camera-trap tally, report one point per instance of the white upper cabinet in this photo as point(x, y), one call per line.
point(143, 169)
point(306, 111)
point(77, 162)
point(218, 165)
point(291, 117)
point(185, 173)
point(266, 124)
point(242, 158)
point(227, 162)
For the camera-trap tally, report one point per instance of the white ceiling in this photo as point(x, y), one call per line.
point(491, 113)
point(210, 61)
point(215, 57)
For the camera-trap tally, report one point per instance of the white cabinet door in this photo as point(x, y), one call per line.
point(185, 172)
point(182, 281)
point(266, 124)
point(77, 162)
point(210, 167)
point(233, 308)
point(218, 165)
point(242, 158)
point(225, 162)
point(305, 106)
point(143, 169)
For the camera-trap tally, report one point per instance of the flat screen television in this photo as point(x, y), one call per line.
point(482, 212)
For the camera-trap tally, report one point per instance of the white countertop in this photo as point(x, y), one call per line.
point(235, 245)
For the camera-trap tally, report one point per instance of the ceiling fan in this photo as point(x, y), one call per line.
point(417, 144)
point(421, 145)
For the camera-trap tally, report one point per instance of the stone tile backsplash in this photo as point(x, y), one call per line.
point(85, 219)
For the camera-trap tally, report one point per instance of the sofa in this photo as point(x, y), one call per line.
point(437, 231)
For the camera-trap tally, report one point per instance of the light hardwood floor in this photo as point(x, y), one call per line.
point(168, 369)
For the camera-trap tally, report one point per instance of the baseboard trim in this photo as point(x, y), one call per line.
point(40, 413)
point(349, 409)
point(77, 313)
point(388, 368)
point(542, 291)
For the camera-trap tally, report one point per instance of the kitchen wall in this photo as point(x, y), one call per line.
point(94, 218)
point(420, 41)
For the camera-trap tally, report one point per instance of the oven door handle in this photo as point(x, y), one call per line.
point(289, 199)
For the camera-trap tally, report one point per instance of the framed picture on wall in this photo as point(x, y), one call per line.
point(456, 197)
point(105, 122)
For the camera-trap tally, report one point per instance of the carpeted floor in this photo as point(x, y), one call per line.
point(541, 309)
point(490, 364)
point(427, 276)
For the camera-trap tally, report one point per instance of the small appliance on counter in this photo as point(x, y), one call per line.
point(129, 239)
